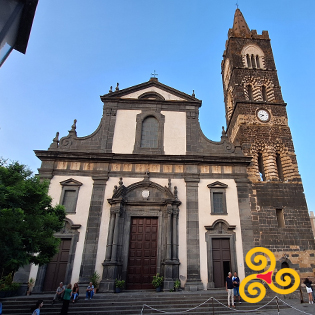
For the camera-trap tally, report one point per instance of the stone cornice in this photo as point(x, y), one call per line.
point(223, 159)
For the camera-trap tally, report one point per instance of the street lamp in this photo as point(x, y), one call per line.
point(16, 19)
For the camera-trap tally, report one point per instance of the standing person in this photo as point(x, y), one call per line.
point(59, 293)
point(229, 288)
point(89, 291)
point(236, 284)
point(75, 292)
point(309, 290)
point(66, 300)
point(36, 310)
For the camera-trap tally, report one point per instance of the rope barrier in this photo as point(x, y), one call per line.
point(214, 299)
point(294, 307)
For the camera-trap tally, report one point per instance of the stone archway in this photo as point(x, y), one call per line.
point(144, 200)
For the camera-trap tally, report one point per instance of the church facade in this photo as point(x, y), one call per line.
point(148, 193)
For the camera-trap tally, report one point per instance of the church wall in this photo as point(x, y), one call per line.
point(81, 215)
point(206, 219)
point(125, 131)
point(174, 133)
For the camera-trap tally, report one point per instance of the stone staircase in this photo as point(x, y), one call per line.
point(131, 302)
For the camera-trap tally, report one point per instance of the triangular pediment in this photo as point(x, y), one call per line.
point(217, 184)
point(71, 182)
point(151, 90)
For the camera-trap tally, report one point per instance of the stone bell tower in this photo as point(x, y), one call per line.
point(256, 118)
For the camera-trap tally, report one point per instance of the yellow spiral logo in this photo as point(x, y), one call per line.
point(257, 289)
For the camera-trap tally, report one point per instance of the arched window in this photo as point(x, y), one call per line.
point(149, 133)
point(264, 93)
point(257, 62)
point(261, 167)
point(253, 61)
point(249, 64)
point(250, 92)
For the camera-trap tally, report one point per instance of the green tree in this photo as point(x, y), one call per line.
point(28, 221)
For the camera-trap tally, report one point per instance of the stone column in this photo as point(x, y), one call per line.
point(92, 230)
point(175, 259)
point(193, 282)
point(175, 233)
point(116, 234)
point(110, 237)
point(168, 269)
point(111, 264)
point(169, 233)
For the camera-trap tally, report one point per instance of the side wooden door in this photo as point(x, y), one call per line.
point(221, 260)
point(57, 267)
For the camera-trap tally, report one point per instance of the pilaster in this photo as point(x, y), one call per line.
point(93, 228)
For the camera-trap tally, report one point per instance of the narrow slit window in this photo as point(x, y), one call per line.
point(261, 167)
point(279, 167)
point(280, 218)
point(264, 93)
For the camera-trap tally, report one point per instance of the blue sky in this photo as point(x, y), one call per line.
point(78, 49)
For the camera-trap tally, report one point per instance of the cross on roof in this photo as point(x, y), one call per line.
point(236, 4)
point(154, 74)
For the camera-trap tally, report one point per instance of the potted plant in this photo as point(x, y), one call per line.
point(119, 285)
point(30, 286)
point(157, 282)
point(177, 285)
point(95, 279)
point(8, 287)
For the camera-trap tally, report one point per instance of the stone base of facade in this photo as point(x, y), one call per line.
point(194, 286)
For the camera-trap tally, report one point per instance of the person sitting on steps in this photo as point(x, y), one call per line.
point(89, 291)
point(75, 292)
point(59, 293)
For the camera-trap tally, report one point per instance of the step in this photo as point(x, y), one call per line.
point(127, 303)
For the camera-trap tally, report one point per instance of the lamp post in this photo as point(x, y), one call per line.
point(16, 19)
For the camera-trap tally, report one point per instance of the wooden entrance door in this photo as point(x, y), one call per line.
point(57, 267)
point(142, 253)
point(221, 260)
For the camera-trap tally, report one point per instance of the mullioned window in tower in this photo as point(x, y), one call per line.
point(253, 57)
